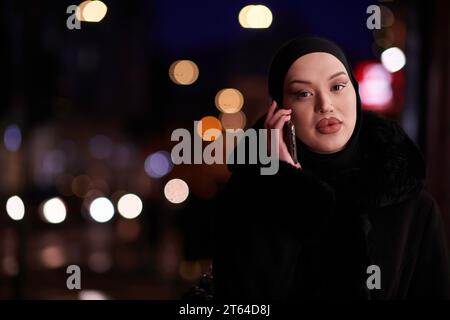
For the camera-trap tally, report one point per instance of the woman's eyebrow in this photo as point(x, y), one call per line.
point(336, 74)
point(309, 82)
point(299, 81)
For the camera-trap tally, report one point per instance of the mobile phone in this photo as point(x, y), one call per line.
point(289, 135)
point(289, 139)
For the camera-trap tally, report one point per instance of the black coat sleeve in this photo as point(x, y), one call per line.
point(260, 224)
point(431, 279)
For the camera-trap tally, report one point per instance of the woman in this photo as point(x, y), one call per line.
point(352, 219)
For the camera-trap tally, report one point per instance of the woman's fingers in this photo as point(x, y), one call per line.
point(282, 119)
point(276, 117)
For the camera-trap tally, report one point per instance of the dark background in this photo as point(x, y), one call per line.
point(62, 87)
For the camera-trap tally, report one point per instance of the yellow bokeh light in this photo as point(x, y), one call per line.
point(243, 16)
point(234, 121)
point(184, 72)
point(176, 191)
point(255, 17)
point(91, 11)
point(80, 8)
point(229, 100)
point(209, 128)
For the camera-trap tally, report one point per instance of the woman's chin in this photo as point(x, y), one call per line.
point(328, 148)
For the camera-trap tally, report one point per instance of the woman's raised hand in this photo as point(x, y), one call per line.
point(275, 119)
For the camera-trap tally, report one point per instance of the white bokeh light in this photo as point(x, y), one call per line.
point(393, 59)
point(15, 208)
point(101, 210)
point(375, 89)
point(54, 210)
point(129, 206)
point(176, 191)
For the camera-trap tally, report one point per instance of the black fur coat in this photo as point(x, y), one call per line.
point(293, 235)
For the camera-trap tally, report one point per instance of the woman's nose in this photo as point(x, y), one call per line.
point(325, 105)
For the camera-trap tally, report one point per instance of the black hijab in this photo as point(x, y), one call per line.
point(326, 166)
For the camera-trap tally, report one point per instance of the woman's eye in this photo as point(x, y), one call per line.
point(303, 94)
point(338, 87)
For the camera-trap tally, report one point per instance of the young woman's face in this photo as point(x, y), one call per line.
point(317, 86)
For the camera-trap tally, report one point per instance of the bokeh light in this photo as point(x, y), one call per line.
point(375, 87)
point(10, 265)
point(54, 210)
point(99, 261)
point(92, 295)
point(387, 17)
point(158, 164)
point(176, 191)
point(101, 210)
point(209, 128)
point(384, 37)
point(129, 206)
point(229, 100)
point(53, 256)
point(184, 72)
point(12, 138)
point(80, 9)
point(243, 16)
point(81, 185)
point(100, 147)
point(393, 59)
point(255, 17)
point(15, 208)
point(92, 11)
point(234, 121)
point(90, 196)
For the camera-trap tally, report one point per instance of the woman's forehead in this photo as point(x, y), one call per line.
point(317, 65)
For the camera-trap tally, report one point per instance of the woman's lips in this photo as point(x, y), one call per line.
point(329, 125)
